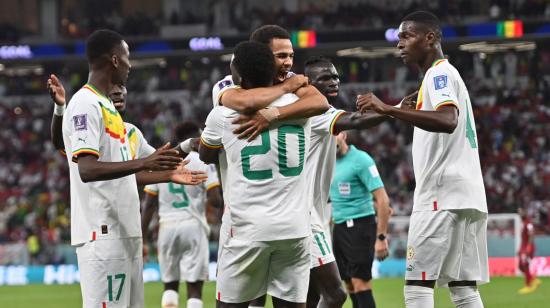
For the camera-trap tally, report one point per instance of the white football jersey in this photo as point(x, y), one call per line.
point(220, 87)
point(180, 202)
point(446, 166)
point(321, 160)
point(139, 147)
point(92, 125)
point(265, 186)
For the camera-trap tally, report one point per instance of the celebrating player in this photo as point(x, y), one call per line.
point(447, 241)
point(104, 227)
point(265, 179)
point(183, 231)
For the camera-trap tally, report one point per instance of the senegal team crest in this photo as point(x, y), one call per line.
point(410, 253)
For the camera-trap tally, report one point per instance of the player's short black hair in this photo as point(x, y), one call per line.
point(254, 63)
point(266, 33)
point(427, 19)
point(100, 43)
point(316, 61)
point(186, 130)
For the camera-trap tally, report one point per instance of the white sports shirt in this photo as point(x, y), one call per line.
point(139, 147)
point(92, 125)
point(181, 202)
point(321, 161)
point(265, 187)
point(446, 166)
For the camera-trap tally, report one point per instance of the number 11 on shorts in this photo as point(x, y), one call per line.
point(120, 276)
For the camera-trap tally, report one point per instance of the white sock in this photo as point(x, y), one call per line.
point(170, 299)
point(255, 306)
point(194, 303)
point(466, 297)
point(419, 297)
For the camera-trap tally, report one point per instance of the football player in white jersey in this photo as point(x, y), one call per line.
point(139, 147)
point(183, 232)
point(268, 247)
point(447, 241)
point(104, 227)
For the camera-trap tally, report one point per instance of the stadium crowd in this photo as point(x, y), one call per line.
point(76, 22)
point(512, 115)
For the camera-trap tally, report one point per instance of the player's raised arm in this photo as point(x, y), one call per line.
point(57, 93)
point(252, 100)
point(442, 120)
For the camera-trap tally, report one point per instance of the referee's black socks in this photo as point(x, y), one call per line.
point(363, 299)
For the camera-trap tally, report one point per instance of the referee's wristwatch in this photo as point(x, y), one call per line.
point(381, 237)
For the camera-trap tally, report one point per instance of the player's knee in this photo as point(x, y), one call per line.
point(335, 297)
point(466, 297)
point(360, 285)
point(170, 299)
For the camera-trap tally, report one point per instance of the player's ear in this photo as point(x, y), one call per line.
point(114, 60)
point(431, 37)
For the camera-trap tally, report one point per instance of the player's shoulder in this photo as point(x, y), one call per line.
point(195, 163)
point(284, 100)
point(129, 126)
point(442, 67)
point(227, 81)
point(363, 157)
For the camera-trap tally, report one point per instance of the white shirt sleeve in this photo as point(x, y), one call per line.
point(442, 88)
point(212, 180)
point(84, 128)
point(324, 124)
point(219, 88)
point(152, 189)
point(211, 136)
point(145, 149)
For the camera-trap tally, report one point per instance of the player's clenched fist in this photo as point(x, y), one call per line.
point(185, 176)
point(371, 102)
point(164, 158)
point(295, 82)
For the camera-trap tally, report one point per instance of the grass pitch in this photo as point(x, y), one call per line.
point(388, 292)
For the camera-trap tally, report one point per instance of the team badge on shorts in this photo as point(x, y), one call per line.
point(410, 253)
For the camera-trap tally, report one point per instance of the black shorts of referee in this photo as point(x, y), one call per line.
point(353, 246)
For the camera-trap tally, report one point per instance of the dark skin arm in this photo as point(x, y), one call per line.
point(357, 120)
point(214, 197)
point(91, 169)
point(57, 93)
point(208, 155)
point(442, 120)
point(311, 103)
point(252, 100)
point(150, 206)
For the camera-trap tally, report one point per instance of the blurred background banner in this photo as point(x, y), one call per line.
point(179, 49)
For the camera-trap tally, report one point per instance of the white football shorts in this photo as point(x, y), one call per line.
point(111, 273)
point(321, 249)
point(250, 269)
point(183, 251)
point(448, 245)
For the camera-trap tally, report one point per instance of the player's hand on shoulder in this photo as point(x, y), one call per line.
point(369, 101)
point(164, 158)
point(185, 176)
point(409, 101)
point(295, 82)
point(56, 90)
point(250, 125)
